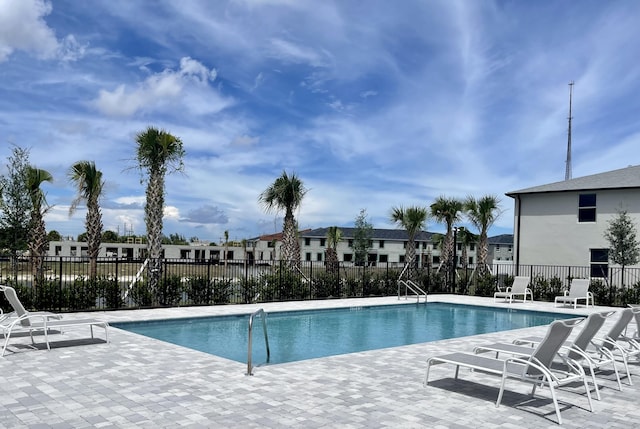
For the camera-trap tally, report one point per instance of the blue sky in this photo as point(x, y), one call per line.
point(372, 104)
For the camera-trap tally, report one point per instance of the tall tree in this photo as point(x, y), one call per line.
point(158, 153)
point(15, 205)
point(38, 241)
point(413, 219)
point(334, 235)
point(624, 248)
point(483, 213)
point(362, 237)
point(448, 211)
point(90, 186)
point(286, 194)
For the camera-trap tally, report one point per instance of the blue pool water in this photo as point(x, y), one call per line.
point(299, 335)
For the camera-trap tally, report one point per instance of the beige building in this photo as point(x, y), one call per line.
point(564, 223)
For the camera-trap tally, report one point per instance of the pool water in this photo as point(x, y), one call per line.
point(299, 335)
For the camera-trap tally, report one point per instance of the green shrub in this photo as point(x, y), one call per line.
point(485, 285)
point(250, 290)
point(283, 285)
point(222, 291)
point(109, 289)
point(546, 289)
point(169, 292)
point(629, 295)
point(140, 294)
point(80, 295)
point(326, 285)
point(198, 290)
point(48, 295)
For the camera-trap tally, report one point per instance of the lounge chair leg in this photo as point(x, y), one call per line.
point(499, 400)
point(457, 371)
point(595, 383)
point(555, 403)
point(586, 388)
point(6, 342)
point(615, 370)
point(426, 376)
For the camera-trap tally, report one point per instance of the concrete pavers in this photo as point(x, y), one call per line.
point(139, 382)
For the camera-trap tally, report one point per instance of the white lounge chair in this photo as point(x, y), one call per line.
point(518, 288)
point(535, 369)
point(31, 322)
point(578, 290)
point(581, 349)
point(18, 309)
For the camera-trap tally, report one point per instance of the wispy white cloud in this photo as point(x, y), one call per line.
point(392, 104)
point(23, 28)
point(162, 90)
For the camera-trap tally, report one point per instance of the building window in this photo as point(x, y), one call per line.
point(271, 244)
point(472, 246)
point(587, 208)
point(459, 247)
point(307, 241)
point(383, 259)
point(307, 256)
point(58, 250)
point(470, 260)
point(401, 259)
point(319, 256)
point(323, 242)
point(347, 257)
point(497, 247)
point(350, 243)
point(436, 259)
point(599, 263)
point(381, 244)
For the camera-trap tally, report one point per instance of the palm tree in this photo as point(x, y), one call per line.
point(482, 213)
point(89, 183)
point(447, 211)
point(465, 237)
point(38, 240)
point(286, 194)
point(158, 152)
point(334, 235)
point(226, 246)
point(413, 219)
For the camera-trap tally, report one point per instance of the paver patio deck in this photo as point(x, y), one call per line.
point(139, 382)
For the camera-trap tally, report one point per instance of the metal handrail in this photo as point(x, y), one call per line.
point(408, 284)
point(250, 342)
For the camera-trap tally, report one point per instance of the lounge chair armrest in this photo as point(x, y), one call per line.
point(530, 362)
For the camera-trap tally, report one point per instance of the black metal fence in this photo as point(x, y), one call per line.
point(64, 283)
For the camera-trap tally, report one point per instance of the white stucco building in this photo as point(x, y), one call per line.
point(564, 223)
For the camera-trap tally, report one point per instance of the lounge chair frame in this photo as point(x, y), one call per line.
point(578, 291)
point(22, 320)
point(579, 350)
point(518, 288)
point(535, 369)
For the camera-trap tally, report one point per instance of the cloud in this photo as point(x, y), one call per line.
point(161, 90)
point(245, 140)
point(22, 27)
point(290, 52)
point(170, 212)
point(206, 214)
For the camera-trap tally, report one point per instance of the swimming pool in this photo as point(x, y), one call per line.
point(307, 334)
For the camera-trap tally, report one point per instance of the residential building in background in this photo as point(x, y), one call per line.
point(564, 223)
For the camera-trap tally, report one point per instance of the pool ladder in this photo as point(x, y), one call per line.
point(411, 286)
point(266, 337)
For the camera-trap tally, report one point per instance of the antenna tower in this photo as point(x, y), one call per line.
point(567, 172)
